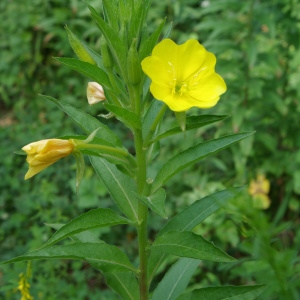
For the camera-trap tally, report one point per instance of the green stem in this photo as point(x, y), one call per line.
point(102, 148)
point(143, 240)
point(142, 214)
point(141, 176)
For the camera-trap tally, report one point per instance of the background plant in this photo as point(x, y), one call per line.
point(260, 65)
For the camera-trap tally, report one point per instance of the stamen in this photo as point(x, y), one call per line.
point(173, 79)
point(193, 81)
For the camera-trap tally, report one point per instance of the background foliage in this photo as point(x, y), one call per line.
point(257, 47)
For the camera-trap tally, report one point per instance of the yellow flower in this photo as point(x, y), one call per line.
point(183, 76)
point(94, 93)
point(23, 287)
point(44, 153)
point(259, 190)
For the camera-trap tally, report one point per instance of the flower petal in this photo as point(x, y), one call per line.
point(44, 153)
point(36, 169)
point(191, 56)
point(158, 70)
point(211, 87)
point(183, 76)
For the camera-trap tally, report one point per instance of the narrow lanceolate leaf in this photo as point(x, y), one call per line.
point(95, 218)
point(91, 71)
point(153, 111)
point(105, 257)
point(197, 212)
point(137, 20)
point(155, 202)
point(115, 44)
point(192, 122)
point(190, 218)
point(192, 155)
point(81, 237)
point(148, 45)
point(119, 186)
point(129, 118)
point(189, 244)
point(225, 293)
point(124, 283)
point(176, 279)
point(110, 11)
point(87, 123)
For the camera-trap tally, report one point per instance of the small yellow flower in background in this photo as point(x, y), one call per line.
point(183, 76)
point(94, 93)
point(23, 285)
point(44, 153)
point(259, 190)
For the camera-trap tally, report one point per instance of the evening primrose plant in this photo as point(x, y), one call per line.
point(134, 66)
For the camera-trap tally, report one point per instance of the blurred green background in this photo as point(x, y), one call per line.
point(257, 44)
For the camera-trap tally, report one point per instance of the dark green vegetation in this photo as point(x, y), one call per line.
point(257, 48)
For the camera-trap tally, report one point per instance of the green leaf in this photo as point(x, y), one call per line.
point(124, 283)
point(20, 152)
point(197, 212)
point(189, 218)
point(87, 123)
point(181, 119)
point(152, 112)
point(80, 167)
point(87, 236)
point(192, 155)
point(225, 293)
point(119, 186)
point(91, 71)
point(156, 202)
point(95, 218)
point(111, 11)
point(148, 45)
point(105, 257)
point(189, 244)
point(117, 48)
point(136, 20)
point(176, 279)
point(192, 122)
point(129, 118)
point(168, 31)
point(79, 48)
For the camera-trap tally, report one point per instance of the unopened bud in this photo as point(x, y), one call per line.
point(133, 65)
point(79, 48)
point(95, 93)
point(107, 58)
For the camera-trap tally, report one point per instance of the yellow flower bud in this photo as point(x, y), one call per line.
point(44, 153)
point(95, 93)
point(259, 190)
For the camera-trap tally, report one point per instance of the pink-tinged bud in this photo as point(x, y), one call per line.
point(42, 154)
point(95, 93)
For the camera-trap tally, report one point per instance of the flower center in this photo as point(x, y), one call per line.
point(180, 88)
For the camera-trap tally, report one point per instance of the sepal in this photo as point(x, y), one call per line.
point(181, 119)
